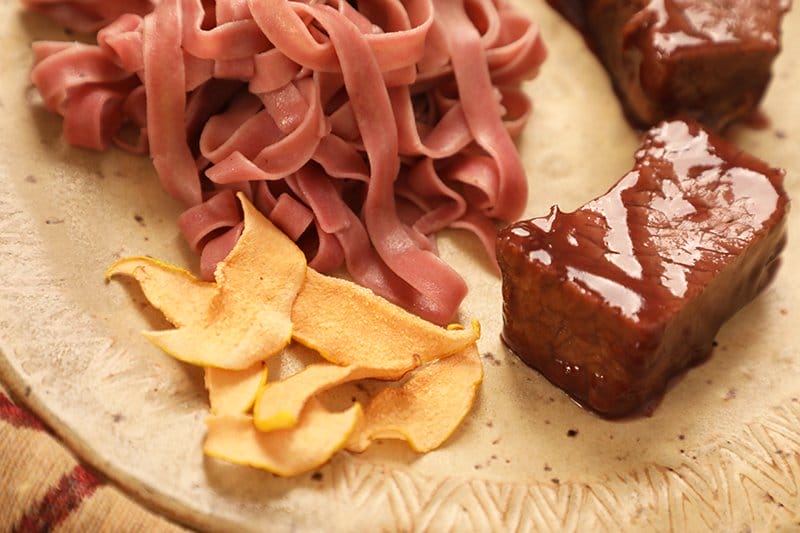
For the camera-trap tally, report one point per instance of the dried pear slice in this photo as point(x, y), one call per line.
point(279, 404)
point(174, 291)
point(248, 317)
point(263, 296)
point(264, 267)
point(234, 343)
point(287, 452)
point(426, 409)
point(234, 391)
point(350, 325)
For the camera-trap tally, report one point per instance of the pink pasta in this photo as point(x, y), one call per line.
point(359, 131)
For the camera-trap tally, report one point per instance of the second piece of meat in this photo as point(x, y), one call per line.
point(706, 59)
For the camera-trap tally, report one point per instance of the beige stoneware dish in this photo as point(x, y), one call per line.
point(722, 451)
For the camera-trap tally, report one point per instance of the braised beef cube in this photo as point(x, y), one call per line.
point(611, 301)
point(710, 60)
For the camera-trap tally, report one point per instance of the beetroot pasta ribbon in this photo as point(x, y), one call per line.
point(360, 129)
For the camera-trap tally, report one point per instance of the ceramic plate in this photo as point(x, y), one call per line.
point(722, 450)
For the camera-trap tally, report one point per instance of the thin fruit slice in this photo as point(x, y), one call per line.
point(234, 343)
point(426, 409)
point(243, 318)
point(350, 325)
point(280, 403)
point(180, 296)
point(264, 267)
point(234, 391)
point(287, 452)
point(264, 295)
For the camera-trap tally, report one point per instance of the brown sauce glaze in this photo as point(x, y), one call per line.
point(612, 300)
point(707, 60)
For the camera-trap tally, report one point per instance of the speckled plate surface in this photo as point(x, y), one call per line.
point(722, 451)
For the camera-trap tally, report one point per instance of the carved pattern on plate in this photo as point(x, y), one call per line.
point(748, 482)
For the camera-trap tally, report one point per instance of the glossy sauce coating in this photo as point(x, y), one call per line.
point(633, 286)
point(708, 60)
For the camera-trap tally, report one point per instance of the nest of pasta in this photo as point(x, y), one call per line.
point(359, 129)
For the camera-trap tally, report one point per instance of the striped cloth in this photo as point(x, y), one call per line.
point(43, 487)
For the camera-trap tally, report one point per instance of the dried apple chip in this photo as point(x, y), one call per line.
point(265, 266)
point(280, 403)
point(180, 296)
point(264, 295)
point(287, 452)
point(234, 391)
point(350, 325)
point(233, 343)
point(426, 409)
point(248, 318)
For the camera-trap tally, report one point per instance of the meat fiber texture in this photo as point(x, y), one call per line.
point(611, 301)
point(708, 60)
point(360, 132)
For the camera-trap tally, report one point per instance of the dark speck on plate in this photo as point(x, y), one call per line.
point(572, 432)
point(489, 356)
point(316, 476)
point(139, 219)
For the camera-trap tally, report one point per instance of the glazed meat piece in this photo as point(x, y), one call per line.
point(612, 300)
point(707, 59)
